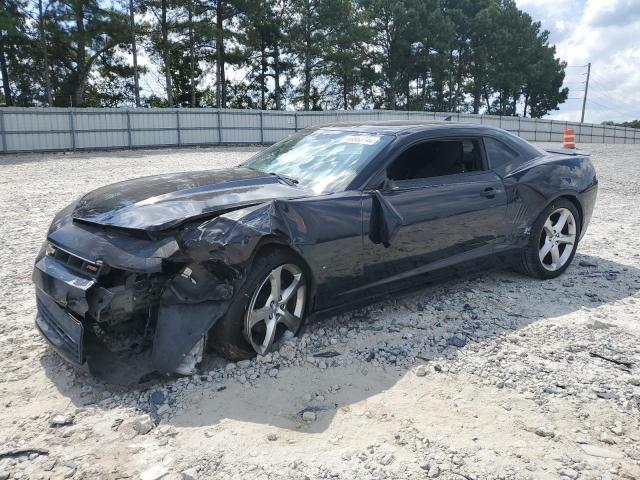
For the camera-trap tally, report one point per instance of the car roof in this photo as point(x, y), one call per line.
point(392, 127)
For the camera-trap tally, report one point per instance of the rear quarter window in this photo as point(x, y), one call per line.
point(501, 156)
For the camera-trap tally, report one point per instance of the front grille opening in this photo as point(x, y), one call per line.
point(76, 263)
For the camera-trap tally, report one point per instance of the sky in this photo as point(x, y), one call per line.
point(605, 33)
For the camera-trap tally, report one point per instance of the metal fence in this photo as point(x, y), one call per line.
point(50, 129)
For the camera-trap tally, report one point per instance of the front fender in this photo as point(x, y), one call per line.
point(192, 302)
point(220, 252)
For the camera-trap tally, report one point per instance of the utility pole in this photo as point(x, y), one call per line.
point(134, 51)
point(586, 89)
point(45, 55)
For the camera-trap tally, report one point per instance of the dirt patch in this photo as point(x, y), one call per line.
point(491, 376)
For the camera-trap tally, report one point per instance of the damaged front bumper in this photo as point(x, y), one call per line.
point(123, 326)
point(64, 331)
point(129, 303)
point(85, 307)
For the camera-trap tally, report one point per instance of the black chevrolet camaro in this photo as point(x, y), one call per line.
point(139, 277)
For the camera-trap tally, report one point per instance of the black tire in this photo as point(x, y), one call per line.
point(227, 337)
point(529, 262)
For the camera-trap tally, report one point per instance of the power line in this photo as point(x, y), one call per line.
point(609, 108)
point(595, 86)
point(605, 96)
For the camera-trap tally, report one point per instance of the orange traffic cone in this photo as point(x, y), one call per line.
point(569, 140)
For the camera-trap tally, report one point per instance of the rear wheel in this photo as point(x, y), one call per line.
point(553, 241)
point(271, 301)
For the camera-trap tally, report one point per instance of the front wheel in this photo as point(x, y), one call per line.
point(553, 241)
point(271, 301)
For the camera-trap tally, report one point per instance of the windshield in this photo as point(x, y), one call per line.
point(322, 160)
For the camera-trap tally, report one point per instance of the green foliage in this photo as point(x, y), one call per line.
point(438, 55)
point(83, 36)
point(18, 56)
point(631, 124)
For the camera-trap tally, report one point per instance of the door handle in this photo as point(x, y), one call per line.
point(489, 192)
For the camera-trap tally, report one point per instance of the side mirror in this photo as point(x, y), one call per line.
point(385, 220)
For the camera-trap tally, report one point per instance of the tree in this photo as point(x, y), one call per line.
point(159, 43)
point(134, 52)
point(395, 25)
point(446, 55)
point(9, 20)
point(184, 74)
point(631, 124)
point(225, 13)
point(411, 40)
point(112, 85)
point(82, 32)
point(308, 42)
point(434, 56)
point(261, 39)
point(345, 58)
point(42, 40)
point(543, 90)
point(16, 52)
point(196, 33)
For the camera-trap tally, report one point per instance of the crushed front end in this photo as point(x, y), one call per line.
point(95, 314)
point(130, 284)
point(124, 305)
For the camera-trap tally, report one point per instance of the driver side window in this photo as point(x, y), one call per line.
point(436, 159)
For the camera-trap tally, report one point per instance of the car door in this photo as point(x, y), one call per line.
point(443, 216)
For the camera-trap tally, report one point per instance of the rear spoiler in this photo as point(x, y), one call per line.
point(566, 151)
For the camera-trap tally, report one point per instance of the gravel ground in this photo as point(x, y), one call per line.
point(490, 376)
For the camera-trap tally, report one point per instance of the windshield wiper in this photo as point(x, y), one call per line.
point(292, 182)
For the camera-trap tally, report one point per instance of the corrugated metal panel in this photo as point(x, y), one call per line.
point(609, 133)
point(101, 139)
point(100, 121)
point(527, 125)
point(240, 135)
point(153, 119)
point(195, 119)
point(36, 121)
point(586, 130)
point(147, 138)
point(282, 121)
point(510, 123)
point(557, 137)
point(236, 119)
point(543, 137)
point(492, 122)
point(470, 119)
point(26, 142)
point(304, 121)
point(544, 127)
point(273, 136)
point(62, 129)
point(199, 137)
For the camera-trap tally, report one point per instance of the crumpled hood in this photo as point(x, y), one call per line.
point(161, 202)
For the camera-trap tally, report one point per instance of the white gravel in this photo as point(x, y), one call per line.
point(491, 376)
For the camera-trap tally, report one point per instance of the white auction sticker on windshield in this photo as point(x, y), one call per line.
point(361, 139)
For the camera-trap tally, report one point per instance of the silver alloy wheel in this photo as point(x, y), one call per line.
point(277, 304)
point(557, 239)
